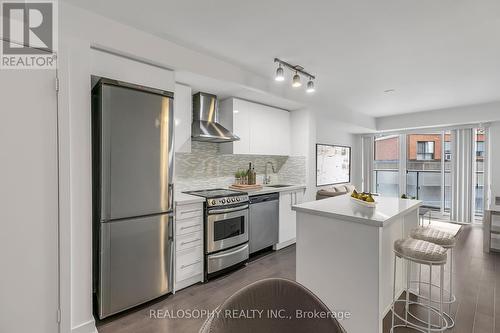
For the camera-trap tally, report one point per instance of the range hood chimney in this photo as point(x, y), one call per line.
point(206, 126)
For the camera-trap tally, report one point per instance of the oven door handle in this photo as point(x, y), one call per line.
point(226, 210)
point(225, 254)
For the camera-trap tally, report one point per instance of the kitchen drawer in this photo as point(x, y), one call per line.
point(188, 241)
point(495, 242)
point(188, 211)
point(495, 222)
point(189, 263)
point(187, 226)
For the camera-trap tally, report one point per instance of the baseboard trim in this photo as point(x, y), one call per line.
point(282, 245)
point(88, 327)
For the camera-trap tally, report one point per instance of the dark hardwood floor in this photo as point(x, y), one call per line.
point(477, 287)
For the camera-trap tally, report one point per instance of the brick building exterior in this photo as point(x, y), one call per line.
point(386, 147)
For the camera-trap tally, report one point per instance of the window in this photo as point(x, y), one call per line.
point(425, 150)
point(480, 149)
point(386, 165)
point(447, 151)
point(423, 168)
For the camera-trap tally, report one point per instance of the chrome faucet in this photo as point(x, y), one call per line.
point(267, 178)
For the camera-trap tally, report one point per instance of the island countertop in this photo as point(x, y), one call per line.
point(343, 207)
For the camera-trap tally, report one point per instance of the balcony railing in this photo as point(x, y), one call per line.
point(425, 186)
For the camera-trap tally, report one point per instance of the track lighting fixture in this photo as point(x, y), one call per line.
point(310, 86)
point(296, 80)
point(280, 75)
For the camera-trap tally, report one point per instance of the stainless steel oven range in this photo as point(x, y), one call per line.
point(226, 229)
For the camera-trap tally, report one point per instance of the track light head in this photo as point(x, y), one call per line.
point(310, 86)
point(280, 75)
point(296, 81)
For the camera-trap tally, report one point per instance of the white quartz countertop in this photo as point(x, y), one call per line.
point(344, 208)
point(265, 189)
point(184, 199)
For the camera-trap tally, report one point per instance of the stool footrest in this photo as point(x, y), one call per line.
point(447, 292)
point(450, 322)
point(409, 324)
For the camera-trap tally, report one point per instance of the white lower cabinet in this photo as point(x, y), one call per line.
point(190, 265)
point(287, 219)
point(188, 245)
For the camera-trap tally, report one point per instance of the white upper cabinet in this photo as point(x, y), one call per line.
point(269, 131)
point(263, 130)
point(183, 115)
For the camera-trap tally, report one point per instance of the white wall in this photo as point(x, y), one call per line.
point(330, 131)
point(29, 202)
point(303, 131)
point(310, 127)
point(469, 114)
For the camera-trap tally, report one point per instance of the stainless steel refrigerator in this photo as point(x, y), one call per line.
point(132, 154)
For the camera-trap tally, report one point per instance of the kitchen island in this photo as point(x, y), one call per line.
point(344, 255)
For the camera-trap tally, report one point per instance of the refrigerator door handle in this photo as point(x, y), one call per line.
point(171, 228)
point(170, 197)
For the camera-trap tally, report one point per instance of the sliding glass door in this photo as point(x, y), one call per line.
point(386, 165)
point(424, 158)
point(478, 169)
point(447, 172)
point(443, 168)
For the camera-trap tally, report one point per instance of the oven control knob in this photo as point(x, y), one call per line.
point(233, 200)
point(223, 201)
point(237, 199)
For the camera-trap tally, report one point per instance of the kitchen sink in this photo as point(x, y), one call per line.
point(278, 185)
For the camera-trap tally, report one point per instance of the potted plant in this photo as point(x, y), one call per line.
point(238, 175)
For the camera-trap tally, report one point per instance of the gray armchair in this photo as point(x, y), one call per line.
point(279, 295)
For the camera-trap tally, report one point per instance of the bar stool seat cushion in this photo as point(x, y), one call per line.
point(433, 235)
point(420, 250)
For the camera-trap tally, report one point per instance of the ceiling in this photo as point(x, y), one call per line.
point(433, 53)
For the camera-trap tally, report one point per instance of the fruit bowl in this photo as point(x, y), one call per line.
point(365, 203)
point(365, 199)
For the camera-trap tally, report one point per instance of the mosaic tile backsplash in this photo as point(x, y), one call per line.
point(207, 167)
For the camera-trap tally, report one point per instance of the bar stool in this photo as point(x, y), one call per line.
point(424, 253)
point(447, 241)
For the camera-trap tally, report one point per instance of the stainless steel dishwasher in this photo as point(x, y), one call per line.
point(263, 221)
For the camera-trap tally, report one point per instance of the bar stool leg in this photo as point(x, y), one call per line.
point(407, 291)
point(393, 294)
point(419, 278)
point(430, 299)
point(451, 276)
point(441, 295)
point(451, 288)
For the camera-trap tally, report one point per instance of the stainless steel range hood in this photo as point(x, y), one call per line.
point(206, 120)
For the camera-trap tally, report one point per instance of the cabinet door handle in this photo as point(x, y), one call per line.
point(189, 211)
point(194, 263)
point(192, 241)
point(189, 227)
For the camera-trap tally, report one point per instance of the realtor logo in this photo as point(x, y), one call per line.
point(29, 32)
